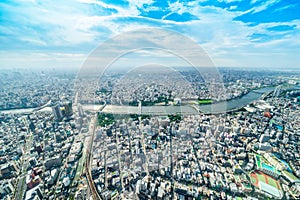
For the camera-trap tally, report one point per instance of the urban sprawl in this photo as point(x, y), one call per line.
point(61, 138)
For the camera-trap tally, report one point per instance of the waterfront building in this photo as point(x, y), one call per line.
point(57, 112)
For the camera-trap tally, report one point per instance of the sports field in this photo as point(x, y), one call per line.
point(205, 101)
point(261, 177)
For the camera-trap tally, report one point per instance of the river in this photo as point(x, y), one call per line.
point(235, 103)
point(188, 109)
point(164, 110)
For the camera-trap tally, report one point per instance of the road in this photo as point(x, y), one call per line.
point(119, 163)
point(144, 148)
point(21, 188)
point(89, 158)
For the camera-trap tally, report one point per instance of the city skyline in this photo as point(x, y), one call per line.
point(149, 99)
point(146, 135)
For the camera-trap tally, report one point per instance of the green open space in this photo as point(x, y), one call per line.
point(254, 179)
point(262, 163)
point(135, 117)
point(205, 101)
point(258, 162)
point(261, 177)
point(272, 182)
point(105, 119)
point(175, 118)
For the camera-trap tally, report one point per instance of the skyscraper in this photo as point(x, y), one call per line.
point(57, 112)
point(80, 110)
point(68, 108)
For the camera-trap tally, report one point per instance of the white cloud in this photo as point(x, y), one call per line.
point(254, 1)
point(229, 1)
point(74, 25)
point(265, 5)
point(232, 7)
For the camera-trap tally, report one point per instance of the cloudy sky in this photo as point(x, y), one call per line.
point(250, 33)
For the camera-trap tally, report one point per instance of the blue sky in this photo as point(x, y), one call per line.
point(250, 33)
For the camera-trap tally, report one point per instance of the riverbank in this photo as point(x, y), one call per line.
point(216, 107)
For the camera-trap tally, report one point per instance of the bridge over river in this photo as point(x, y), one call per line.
point(219, 107)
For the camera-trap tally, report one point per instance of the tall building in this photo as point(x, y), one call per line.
point(277, 91)
point(57, 112)
point(68, 108)
point(80, 110)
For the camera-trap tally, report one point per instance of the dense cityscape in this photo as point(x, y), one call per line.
point(110, 140)
point(149, 99)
